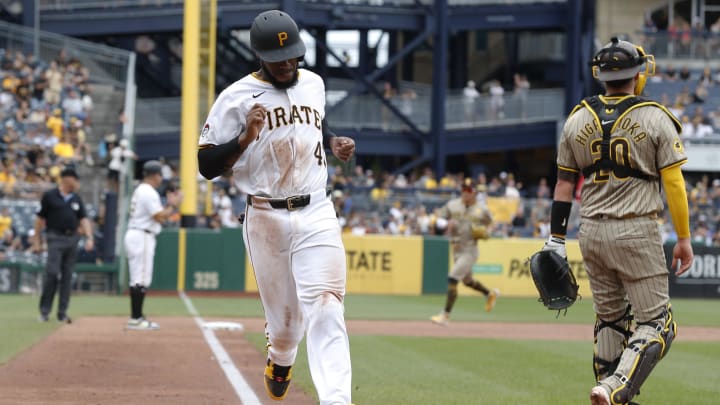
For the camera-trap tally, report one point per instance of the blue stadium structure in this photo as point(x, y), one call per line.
point(434, 48)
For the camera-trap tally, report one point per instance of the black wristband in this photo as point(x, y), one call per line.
point(559, 214)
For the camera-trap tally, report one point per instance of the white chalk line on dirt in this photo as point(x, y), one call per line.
point(242, 388)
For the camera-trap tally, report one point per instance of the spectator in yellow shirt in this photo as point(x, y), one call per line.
point(64, 149)
point(55, 123)
point(5, 220)
point(7, 179)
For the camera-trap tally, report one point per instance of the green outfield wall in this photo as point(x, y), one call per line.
point(377, 264)
point(215, 260)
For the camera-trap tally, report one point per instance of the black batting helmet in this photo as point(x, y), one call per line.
point(275, 37)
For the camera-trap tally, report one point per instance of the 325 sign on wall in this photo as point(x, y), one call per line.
point(8, 279)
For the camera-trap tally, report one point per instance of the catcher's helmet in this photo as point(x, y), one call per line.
point(275, 37)
point(621, 60)
point(152, 167)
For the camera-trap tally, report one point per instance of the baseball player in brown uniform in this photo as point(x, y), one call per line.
point(467, 222)
point(626, 147)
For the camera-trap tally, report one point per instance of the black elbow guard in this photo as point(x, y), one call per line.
point(215, 160)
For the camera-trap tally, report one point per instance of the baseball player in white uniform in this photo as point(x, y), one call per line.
point(146, 216)
point(268, 128)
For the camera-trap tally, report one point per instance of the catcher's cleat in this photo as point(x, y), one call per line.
point(277, 380)
point(599, 396)
point(490, 299)
point(440, 319)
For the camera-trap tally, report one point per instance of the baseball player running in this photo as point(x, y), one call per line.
point(146, 216)
point(268, 128)
point(468, 221)
point(625, 146)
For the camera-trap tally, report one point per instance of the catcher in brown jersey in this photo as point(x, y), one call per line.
point(626, 147)
point(467, 222)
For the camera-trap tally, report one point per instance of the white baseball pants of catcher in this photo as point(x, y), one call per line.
point(300, 269)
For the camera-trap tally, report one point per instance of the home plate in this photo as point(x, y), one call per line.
point(232, 326)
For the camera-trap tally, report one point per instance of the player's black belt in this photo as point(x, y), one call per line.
point(290, 203)
point(144, 230)
point(652, 215)
point(66, 232)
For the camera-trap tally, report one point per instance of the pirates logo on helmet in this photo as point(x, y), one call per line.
point(274, 36)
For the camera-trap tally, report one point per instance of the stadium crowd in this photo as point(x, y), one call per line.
point(45, 121)
point(384, 203)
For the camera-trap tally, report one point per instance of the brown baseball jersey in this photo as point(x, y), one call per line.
point(465, 251)
point(619, 238)
point(645, 138)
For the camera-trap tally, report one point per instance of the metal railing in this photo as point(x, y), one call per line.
point(366, 111)
point(105, 64)
point(55, 5)
point(690, 45)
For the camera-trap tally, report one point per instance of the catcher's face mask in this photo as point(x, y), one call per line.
point(620, 60)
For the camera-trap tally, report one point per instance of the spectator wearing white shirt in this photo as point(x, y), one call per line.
point(224, 208)
point(116, 167)
point(73, 105)
point(688, 127)
point(702, 127)
point(496, 100)
point(470, 95)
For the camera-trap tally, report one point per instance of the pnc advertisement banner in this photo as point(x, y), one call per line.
point(376, 264)
point(503, 264)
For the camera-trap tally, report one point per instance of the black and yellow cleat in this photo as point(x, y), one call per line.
point(277, 380)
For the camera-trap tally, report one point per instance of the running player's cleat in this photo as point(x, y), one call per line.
point(441, 319)
point(277, 380)
point(490, 299)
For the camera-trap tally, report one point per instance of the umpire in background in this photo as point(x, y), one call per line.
point(61, 213)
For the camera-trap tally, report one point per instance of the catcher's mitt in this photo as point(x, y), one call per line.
point(554, 280)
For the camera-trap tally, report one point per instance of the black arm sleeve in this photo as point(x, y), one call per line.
point(214, 160)
point(327, 134)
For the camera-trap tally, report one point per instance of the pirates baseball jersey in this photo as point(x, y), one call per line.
point(288, 157)
point(645, 138)
point(296, 252)
point(145, 203)
point(140, 238)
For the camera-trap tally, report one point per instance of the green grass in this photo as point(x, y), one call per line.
point(422, 370)
point(392, 370)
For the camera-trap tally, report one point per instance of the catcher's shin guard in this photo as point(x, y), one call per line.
point(650, 343)
point(611, 338)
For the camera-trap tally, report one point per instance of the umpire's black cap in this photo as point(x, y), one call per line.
point(68, 172)
point(275, 37)
point(152, 167)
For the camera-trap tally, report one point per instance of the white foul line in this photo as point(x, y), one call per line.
point(242, 389)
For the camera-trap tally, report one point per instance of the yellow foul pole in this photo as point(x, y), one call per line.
point(198, 93)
